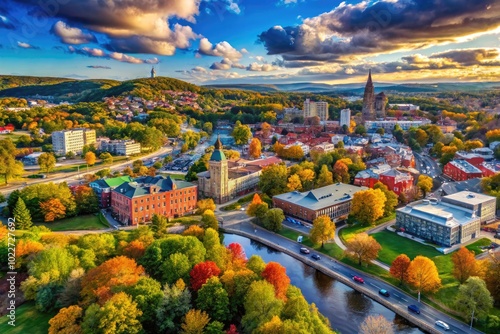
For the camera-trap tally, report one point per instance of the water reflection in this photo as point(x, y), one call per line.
point(344, 307)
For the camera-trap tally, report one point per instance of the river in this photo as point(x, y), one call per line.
point(344, 307)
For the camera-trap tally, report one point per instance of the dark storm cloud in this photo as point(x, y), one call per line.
point(470, 57)
point(383, 26)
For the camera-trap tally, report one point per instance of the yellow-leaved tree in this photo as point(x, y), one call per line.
point(362, 248)
point(323, 230)
point(368, 205)
point(423, 275)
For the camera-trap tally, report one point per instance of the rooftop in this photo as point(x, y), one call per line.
point(470, 197)
point(439, 213)
point(322, 197)
point(146, 185)
point(465, 166)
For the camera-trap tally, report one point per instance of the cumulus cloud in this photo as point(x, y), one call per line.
point(26, 45)
point(99, 53)
point(373, 27)
point(71, 35)
point(99, 66)
point(222, 49)
point(131, 26)
point(226, 64)
point(261, 67)
point(201, 74)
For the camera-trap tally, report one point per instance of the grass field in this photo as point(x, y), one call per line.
point(174, 176)
point(348, 232)
point(28, 320)
point(83, 167)
point(87, 222)
point(12, 136)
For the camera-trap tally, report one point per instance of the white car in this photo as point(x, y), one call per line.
point(443, 325)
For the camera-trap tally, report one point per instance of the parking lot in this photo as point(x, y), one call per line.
point(180, 164)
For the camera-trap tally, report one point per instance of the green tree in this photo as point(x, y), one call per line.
point(106, 158)
point(274, 179)
point(473, 299)
point(86, 200)
point(391, 199)
point(175, 303)
point(22, 215)
point(213, 299)
point(159, 226)
point(47, 162)
point(274, 219)
point(325, 177)
point(323, 230)
point(176, 267)
point(119, 315)
point(147, 293)
point(260, 305)
point(424, 184)
point(241, 133)
point(208, 218)
point(10, 168)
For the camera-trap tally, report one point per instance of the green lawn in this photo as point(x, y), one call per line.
point(174, 176)
point(14, 137)
point(83, 167)
point(187, 220)
point(28, 320)
point(331, 249)
point(348, 232)
point(87, 222)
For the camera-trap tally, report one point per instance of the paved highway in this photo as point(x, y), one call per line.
point(239, 223)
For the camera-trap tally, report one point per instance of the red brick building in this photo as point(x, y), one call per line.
point(397, 181)
point(489, 169)
point(135, 202)
point(461, 170)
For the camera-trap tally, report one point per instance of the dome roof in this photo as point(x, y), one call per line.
point(218, 155)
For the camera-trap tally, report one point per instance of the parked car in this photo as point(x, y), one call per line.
point(443, 325)
point(304, 250)
point(414, 309)
point(497, 236)
point(316, 257)
point(384, 292)
point(358, 279)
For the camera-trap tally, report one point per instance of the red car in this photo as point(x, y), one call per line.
point(358, 279)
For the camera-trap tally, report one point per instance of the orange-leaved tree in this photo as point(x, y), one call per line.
point(464, 264)
point(67, 321)
point(423, 275)
point(255, 148)
point(363, 248)
point(53, 209)
point(118, 271)
point(201, 272)
point(134, 250)
point(237, 255)
point(399, 268)
point(275, 274)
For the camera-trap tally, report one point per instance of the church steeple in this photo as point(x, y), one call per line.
point(218, 143)
point(368, 111)
point(369, 82)
point(218, 154)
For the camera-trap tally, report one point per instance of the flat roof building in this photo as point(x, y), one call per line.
point(72, 140)
point(482, 205)
point(333, 201)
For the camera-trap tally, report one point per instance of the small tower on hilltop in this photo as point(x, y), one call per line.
point(153, 72)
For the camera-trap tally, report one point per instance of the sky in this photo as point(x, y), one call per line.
point(253, 41)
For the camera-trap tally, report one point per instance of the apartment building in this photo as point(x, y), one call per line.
point(120, 147)
point(312, 109)
point(72, 140)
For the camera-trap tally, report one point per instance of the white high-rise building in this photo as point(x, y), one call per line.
point(319, 109)
point(345, 117)
point(72, 140)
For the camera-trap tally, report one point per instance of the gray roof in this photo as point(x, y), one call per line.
point(465, 166)
point(439, 213)
point(322, 197)
point(470, 197)
point(142, 185)
point(454, 187)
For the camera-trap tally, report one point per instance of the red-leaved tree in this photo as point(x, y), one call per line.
point(237, 253)
point(275, 274)
point(201, 272)
point(232, 330)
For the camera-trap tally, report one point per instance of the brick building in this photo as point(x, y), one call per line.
point(397, 181)
point(102, 188)
point(333, 200)
point(461, 170)
point(137, 201)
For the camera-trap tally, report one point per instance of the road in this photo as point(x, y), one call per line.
point(75, 177)
point(238, 222)
point(426, 165)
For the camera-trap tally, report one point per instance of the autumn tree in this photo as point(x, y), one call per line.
point(98, 283)
point(209, 220)
point(341, 172)
point(201, 272)
point(241, 133)
point(256, 264)
point(52, 209)
point(90, 158)
point(260, 305)
point(424, 184)
point(423, 275)
point(492, 277)
point(362, 248)
point(47, 162)
point(86, 200)
point(376, 325)
point(195, 322)
point(175, 303)
point(325, 177)
point(399, 268)
point(294, 183)
point(257, 208)
point(323, 230)
point(391, 199)
point(307, 177)
point(159, 224)
point(67, 321)
point(275, 274)
point(195, 231)
point(237, 255)
point(273, 219)
point(368, 205)
point(10, 168)
point(205, 204)
point(464, 264)
point(119, 315)
point(213, 299)
point(273, 180)
point(134, 250)
point(22, 215)
point(473, 299)
point(106, 158)
point(255, 148)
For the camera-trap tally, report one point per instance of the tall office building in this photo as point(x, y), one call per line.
point(312, 109)
point(345, 117)
point(72, 140)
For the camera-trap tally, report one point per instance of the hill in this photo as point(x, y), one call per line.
point(59, 89)
point(12, 81)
